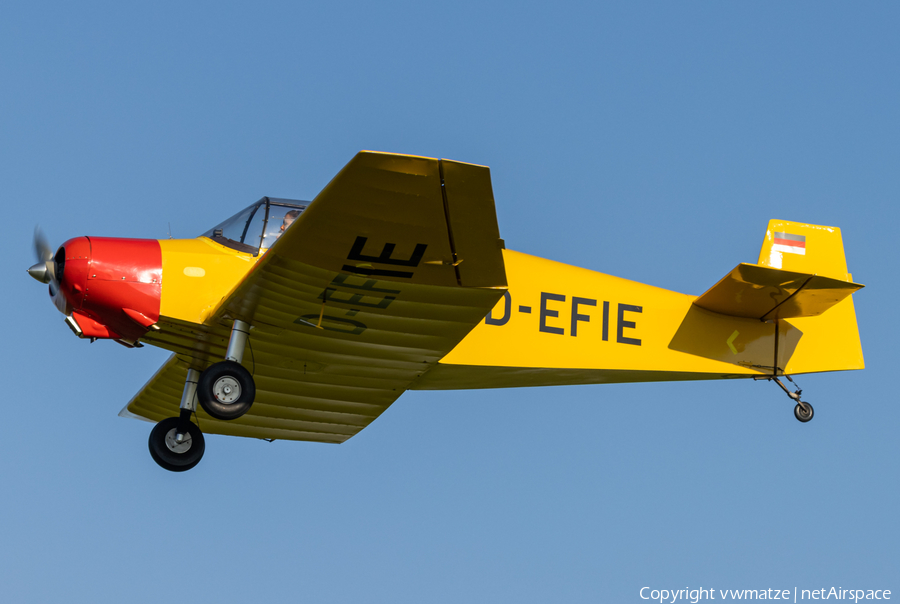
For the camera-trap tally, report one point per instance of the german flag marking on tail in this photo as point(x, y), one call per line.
point(790, 244)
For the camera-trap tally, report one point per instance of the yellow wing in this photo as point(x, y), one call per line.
point(392, 264)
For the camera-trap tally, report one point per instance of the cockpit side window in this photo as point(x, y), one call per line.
point(233, 231)
point(257, 227)
point(280, 218)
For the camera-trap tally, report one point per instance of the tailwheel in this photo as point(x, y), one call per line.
point(803, 411)
point(226, 390)
point(176, 444)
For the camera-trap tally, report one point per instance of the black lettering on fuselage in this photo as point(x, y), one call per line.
point(576, 317)
point(605, 321)
point(507, 311)
point(546, 312)
point(622, 324)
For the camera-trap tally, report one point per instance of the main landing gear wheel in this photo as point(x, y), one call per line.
point(176, 444)
point(226, 390)
point(803, 411)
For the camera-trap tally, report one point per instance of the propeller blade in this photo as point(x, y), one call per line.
point(45, 270)
point(42, 249)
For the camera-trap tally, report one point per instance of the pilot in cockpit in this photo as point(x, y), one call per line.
point(289, 219)
point(257, 227)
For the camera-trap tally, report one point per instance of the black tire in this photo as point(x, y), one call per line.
point(172, 457)
point(803, 412)
point(212, 386)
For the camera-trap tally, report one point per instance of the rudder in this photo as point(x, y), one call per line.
point(804, 248)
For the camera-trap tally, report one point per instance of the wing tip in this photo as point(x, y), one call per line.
point(128, 414)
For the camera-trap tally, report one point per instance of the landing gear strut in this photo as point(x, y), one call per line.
point(175, 443)
point(803, 411)
point(226, 390)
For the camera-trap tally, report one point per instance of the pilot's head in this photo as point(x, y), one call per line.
point(289, 218)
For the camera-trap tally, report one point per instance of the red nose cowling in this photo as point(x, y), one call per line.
point(113, 285)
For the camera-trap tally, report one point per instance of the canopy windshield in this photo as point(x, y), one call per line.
point(255, 228)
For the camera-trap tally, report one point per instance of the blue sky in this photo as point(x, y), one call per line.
point(649, 140)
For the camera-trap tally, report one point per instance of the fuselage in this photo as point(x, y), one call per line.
point(556, 323)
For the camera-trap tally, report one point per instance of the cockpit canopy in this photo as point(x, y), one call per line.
point(254, 229)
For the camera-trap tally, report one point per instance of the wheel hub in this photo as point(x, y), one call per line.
point(227, 389)
point(173, 444)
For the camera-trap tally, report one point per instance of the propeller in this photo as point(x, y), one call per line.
point(46, 269)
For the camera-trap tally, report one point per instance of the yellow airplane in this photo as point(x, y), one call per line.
point(305, 321)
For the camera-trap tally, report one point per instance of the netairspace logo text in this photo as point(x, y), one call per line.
point(792, 595)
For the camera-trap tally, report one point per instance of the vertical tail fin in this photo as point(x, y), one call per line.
point(804, 248)
point(830, 341)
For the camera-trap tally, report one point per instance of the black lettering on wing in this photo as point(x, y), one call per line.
point(386, 254)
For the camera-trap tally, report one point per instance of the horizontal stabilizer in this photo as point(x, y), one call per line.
point(755, 291)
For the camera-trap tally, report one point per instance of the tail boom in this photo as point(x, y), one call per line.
point(559, 324)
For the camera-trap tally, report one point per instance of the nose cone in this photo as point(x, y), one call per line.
point(40, 272)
